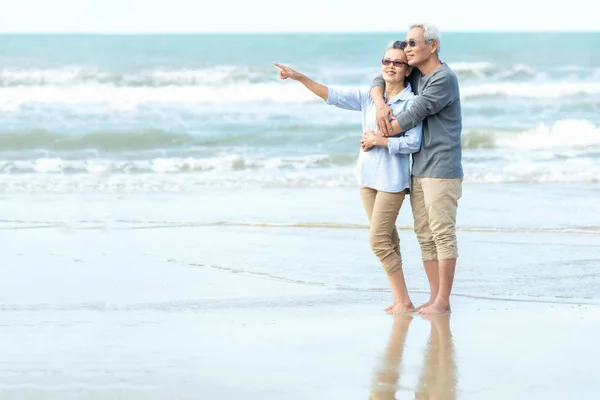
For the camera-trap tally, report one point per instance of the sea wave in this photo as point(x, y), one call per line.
point(76, 75)
point(108, 98)
point(568, 133)
point(225, 163)
point(124, 99)
point(159, 183)
point(226, 84)
point(108, 141)
point(531, 90)
point(562, 134)
point(487, 70)
point(310, 135)
point(51, 174)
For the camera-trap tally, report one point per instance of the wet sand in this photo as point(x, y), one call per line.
point(147, 314)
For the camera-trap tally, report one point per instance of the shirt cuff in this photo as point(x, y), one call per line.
point(331, 96)
point(393, 146)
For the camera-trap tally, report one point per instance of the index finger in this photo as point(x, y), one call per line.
point(283, 67)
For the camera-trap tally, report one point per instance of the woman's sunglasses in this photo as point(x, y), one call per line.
point(387, 62)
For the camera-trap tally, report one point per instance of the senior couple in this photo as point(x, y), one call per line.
point(412, 108)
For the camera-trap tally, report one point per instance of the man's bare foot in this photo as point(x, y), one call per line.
point(396, 301)
point(436, 308)
point(428, 303)
point(400, 308)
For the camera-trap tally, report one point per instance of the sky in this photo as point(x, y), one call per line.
point(173, 16)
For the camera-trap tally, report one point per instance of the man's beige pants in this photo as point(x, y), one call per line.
point(434, 203)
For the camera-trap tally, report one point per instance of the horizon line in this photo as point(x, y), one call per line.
point(338, 32)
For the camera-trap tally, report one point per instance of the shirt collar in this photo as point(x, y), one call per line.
point(403, 95)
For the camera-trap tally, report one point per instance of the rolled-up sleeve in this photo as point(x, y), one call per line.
point(348, 99)
point(409, 141)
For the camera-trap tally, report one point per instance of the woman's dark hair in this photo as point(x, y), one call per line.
point(398, 44)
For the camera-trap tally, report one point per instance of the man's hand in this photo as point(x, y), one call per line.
point(384, 116)
point(367, 142)
point(286, 72)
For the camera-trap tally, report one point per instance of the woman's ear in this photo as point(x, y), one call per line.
point(409, 71)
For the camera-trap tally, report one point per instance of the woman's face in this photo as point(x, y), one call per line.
point(397, 67)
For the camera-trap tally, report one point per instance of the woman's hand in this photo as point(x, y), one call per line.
point(286, 72)
point(368, 140)
point(371, 139)
point(384, 115)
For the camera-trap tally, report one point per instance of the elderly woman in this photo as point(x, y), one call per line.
point(383, 168)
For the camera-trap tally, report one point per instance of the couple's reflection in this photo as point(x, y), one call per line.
point(438, 374)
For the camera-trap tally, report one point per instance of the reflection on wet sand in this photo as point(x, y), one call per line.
point(438, 375)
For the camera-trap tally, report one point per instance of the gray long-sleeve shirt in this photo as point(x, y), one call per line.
point(437, 105)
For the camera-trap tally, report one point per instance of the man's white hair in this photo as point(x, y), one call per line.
point(430, 32)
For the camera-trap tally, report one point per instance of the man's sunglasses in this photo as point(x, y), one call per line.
point(387, 62)
point(402, 44)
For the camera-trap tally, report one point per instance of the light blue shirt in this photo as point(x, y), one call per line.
point(381, 168)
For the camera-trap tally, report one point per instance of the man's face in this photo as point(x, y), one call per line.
point(417, 51)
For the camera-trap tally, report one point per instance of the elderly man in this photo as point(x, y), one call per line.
point(437, 168)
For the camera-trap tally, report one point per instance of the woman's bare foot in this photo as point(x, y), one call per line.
point(388, 308)
point(400, 308)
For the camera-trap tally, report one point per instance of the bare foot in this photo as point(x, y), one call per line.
point(401, 309)
point(428, 303)
point(388, 308)
point(436, 308)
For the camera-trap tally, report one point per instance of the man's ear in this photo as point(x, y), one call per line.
point(409, 71)
point(434, 46)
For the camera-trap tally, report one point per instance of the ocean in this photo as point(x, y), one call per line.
point(137, 113)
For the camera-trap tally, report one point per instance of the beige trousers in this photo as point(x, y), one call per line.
point(382, 210)
point(434, 204)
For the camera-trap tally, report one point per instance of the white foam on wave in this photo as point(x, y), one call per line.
point(478, 69)
point(55, 164)
point(462, 66)
point(222, 75)
point(126, 91)
point(130, 98)
point(583, 171)
point(74, 75)
point(545, 90)
point(67, 75)
point(161, 165)
point(314, 178)
point(563, 134)
point(54, 174)
point(487, 70)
